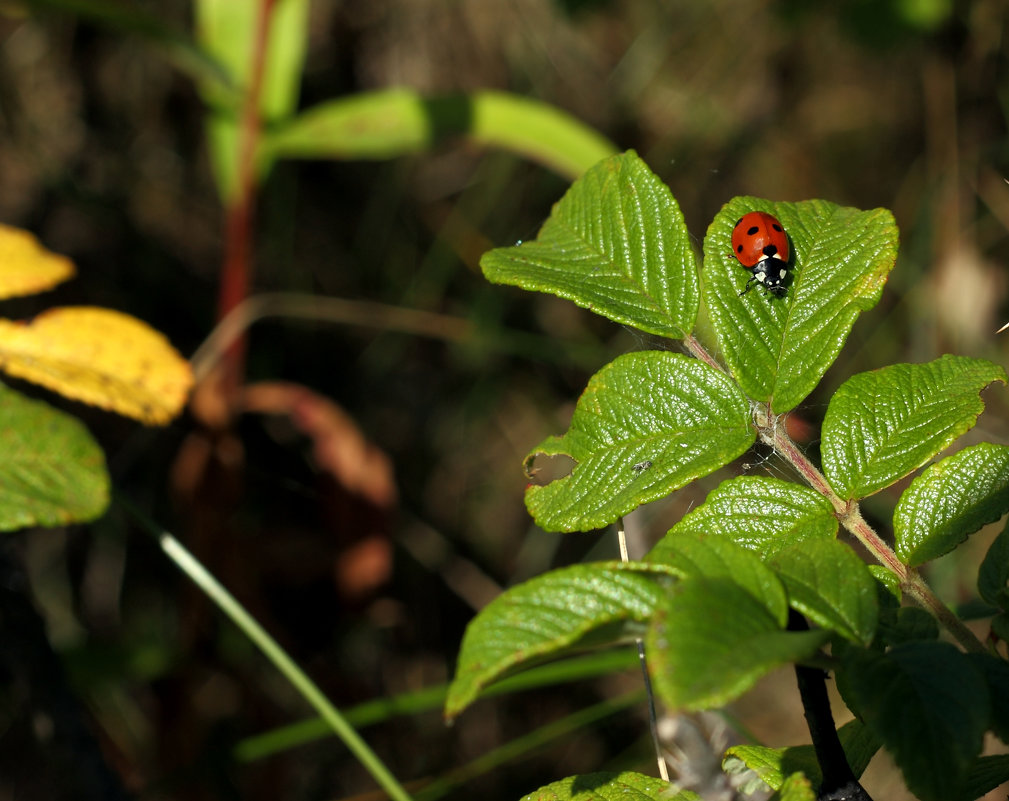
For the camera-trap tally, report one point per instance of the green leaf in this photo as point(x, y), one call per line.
point(907, 624)
point(691, 556)
point(996, 675)
point(626, 786)
point(987, 773)
point(950, 500)
point(616, 243)
point(545, 616)
point(52, 471)
point(993, 575)
point(829, 584)
point(882, 425)
point(647, 423)
point(889, 582)
point(227, 31)
point(778, 348)
point(712, 640)
point(796, 787)
point(928, 704)
point(388, 123)
point(772, 765)
point(762, 514)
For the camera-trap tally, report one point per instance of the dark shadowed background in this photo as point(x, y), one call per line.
point(364, 524)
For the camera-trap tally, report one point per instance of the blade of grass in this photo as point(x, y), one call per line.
point(308, 690)
point(413, 703)
point(520, 746)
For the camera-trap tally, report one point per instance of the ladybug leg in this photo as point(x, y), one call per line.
point(749, 285)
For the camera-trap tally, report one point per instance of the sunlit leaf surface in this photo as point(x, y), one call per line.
point(101, 357)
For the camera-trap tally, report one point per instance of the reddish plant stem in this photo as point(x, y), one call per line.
point(236, 272)
point(698, 350)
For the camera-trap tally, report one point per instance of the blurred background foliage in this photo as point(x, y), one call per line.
point(368, 572)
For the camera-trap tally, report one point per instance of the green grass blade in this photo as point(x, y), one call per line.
point(308, 690)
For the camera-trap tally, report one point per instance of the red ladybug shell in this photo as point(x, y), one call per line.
point(758, 236)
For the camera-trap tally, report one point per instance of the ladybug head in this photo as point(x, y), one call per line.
point(770, 273)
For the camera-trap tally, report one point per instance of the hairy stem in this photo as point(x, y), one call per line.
point(698, 350)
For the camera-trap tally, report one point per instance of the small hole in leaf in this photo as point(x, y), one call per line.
point(543, 468)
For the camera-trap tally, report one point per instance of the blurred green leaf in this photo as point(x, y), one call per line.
point(712, 640)
point(796, 787)
point(929, 706)
point(772, 765)
point(52, 471)
point(546, 616)
point(828, 583)
point(950, 500)
point(993, 576)
point(540, 132)
point(762, 514)
point(691, 556)
point(882, 425)
point(626, 786)
point(382, 124)
point(987, 773)
point(395, 122)
point(616, 244)
point(647, 423)
point(778, 348)
point(227, 31)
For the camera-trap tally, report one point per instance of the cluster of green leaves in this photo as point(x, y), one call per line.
point(711, 600)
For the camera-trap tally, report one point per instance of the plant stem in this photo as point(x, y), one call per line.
point(838, 780)
point(849, 515)
point(653, 723)
point(310, 691)
point(236, 270)
point(698, 350)
point(922, 594)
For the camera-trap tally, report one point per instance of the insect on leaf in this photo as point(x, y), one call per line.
point(779, 346)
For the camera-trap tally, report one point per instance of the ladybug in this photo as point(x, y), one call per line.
point(761, 245)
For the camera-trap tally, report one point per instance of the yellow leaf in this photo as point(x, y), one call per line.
point(101, 357)
point(26, 267)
